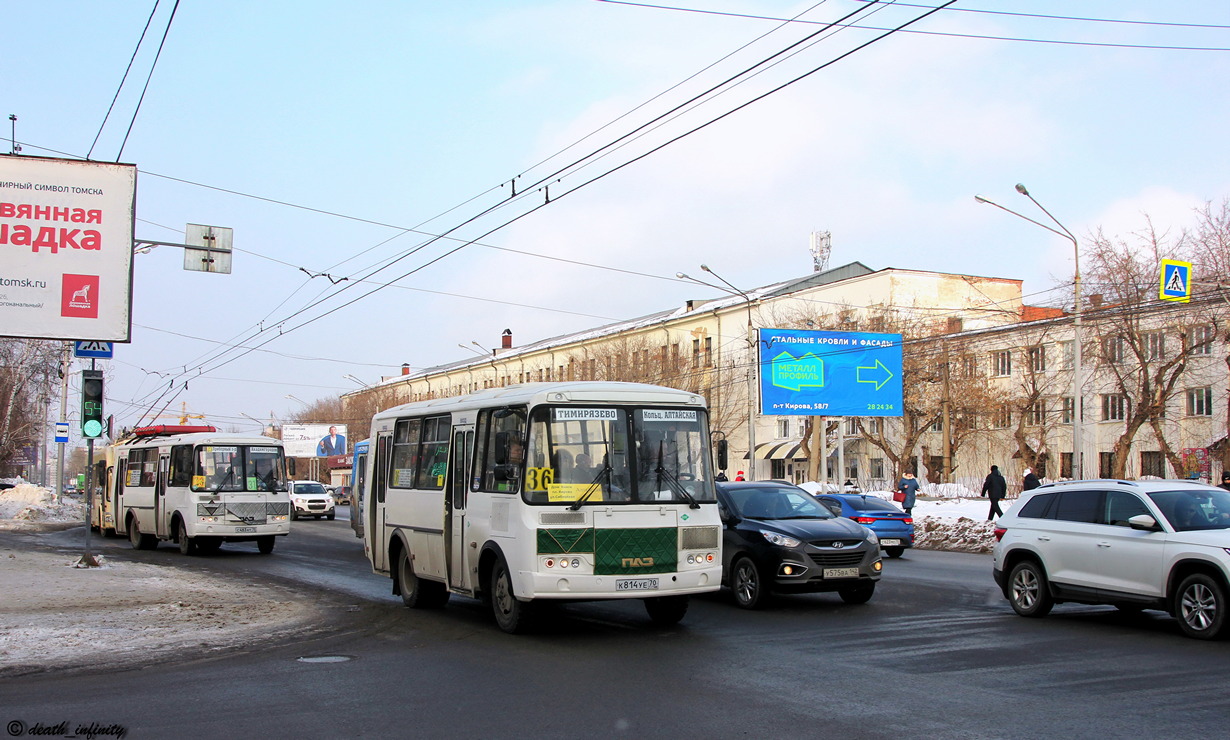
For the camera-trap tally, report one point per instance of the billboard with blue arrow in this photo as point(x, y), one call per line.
point(829, 373)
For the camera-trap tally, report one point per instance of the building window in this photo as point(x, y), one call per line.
point(1069, 354)
point(1002, 418)
point(1153, 344)
point(1113, 349)
point(1065, 465)
point(1152, 463)
point(1106, 464)
point(783, 428)
point(1037, 359)
point(1069, 410)
point(851, 426)
point(708, 352)
point(1114, 407)
point(969, 366)
point(1202, 340)
point(938, 424)
point(1200, 401)
point(1001, 363)
point(877, 467)
point(1037, 413)
point(777, 469)
point(876, 426)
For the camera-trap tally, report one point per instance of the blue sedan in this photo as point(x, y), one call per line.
point(894, 527)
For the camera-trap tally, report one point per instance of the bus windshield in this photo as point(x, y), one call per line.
point(580, 455)
point(239, 468)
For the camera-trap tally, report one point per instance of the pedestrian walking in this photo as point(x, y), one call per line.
point(995, 488)
point(739, 475)
point(1225, 480)
point(907, 489)
point(1031, 480)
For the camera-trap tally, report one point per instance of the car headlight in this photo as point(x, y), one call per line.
point(871, 537)
point(779, 539)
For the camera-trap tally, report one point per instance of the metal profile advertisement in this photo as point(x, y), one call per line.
point(314, 440)
point(830, 373)
point(66, 231)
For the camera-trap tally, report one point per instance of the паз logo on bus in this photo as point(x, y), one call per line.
point(79, 296)
point(638, 562)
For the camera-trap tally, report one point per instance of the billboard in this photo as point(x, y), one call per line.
point(829, 373)
point(66, 230)
point(314, 440)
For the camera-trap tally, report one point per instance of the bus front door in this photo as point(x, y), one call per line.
point(456, 552)
point(376, 534)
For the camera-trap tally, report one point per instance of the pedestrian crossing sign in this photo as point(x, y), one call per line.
point(1176, 281)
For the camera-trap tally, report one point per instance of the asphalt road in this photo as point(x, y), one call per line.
point(936, 653)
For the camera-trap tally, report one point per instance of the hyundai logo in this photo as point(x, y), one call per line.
point(838, 545)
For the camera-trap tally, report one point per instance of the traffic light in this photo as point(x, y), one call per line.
point(91, 403)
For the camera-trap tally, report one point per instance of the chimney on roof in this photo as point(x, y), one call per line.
point(506, 339)
point(405, 368)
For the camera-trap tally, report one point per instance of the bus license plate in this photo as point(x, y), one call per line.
point(636, 584)
point(245, 529)
point(841, 572)
point(890, 542)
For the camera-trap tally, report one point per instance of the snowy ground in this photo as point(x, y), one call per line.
point(54, 615)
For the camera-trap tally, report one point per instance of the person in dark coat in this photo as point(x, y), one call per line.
point(1031, 480)
point(908, 485)
point(995, 488)
point(1225, 480)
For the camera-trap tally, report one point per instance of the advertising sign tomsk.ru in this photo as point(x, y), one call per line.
point(829, 373)
point(66, 248)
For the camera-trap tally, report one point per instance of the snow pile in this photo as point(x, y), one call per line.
point(30, 503)
point(945, 490)
point(956, 535)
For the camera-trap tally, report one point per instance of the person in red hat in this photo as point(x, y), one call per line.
point(739, 476)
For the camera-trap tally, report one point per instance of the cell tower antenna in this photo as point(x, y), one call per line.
point(821, 248)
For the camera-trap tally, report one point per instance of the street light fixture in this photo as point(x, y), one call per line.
point(751, 361)
point(1078, 403)
point(356, 380)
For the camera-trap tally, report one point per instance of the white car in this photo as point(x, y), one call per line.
point(1158, 544)
point(309, 498)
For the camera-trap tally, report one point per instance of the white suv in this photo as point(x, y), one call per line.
point(309, 498)
point(1159, 544)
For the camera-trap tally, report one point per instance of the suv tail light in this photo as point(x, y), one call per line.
point(1000, 532)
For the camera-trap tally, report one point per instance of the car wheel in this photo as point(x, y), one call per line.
point(746, 584)
point(1200, 606)
point(858, 595)
point(330, 517)
point(511, 615)
point(294, 515)
point(265, 544)
point(1027, 590)
point(665, 611)
point(894, 552)
point(187, 545)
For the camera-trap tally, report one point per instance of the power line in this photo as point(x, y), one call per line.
point(123, 79)
point(148, 77)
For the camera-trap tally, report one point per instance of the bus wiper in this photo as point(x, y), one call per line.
point(672, 481)
point(594, 485)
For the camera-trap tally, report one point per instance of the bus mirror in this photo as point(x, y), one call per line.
point(723, 455)
point(503, 441)
point(290, 466)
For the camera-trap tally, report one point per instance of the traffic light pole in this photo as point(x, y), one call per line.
point(87, 558)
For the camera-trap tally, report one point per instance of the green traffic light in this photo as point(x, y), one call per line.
point(92, 428)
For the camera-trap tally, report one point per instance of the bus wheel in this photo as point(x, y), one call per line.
point(665, 611)
point(140, 540)
point(511, 615)
point(415, 592)
point(265, 544)
point(187, 545)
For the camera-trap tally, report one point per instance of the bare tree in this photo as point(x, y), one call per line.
point(28, 370)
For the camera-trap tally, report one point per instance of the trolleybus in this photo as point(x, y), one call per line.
point(545, 492)
point(195, 487)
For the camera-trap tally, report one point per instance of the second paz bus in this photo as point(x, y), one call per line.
point(545, 491)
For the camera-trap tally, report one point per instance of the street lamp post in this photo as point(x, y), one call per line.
point(751, 362)
point(1078, 402)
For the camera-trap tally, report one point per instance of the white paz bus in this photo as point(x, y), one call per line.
point(195, 487)
point(545, 491)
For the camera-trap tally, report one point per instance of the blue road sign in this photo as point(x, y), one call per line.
point(829, 373)
point(61, 431)
point(96, 350)
point(1176, 281)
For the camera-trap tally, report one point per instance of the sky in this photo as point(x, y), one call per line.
point(335, 138)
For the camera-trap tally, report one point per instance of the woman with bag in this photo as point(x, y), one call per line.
point(907, 488)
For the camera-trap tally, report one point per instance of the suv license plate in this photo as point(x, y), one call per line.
point(841, 572)
point(890, 542)
point(636, 584)
point(245, 529)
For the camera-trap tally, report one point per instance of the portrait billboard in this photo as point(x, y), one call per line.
point(314, 440)
point(829, 373)
point(66, 231)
